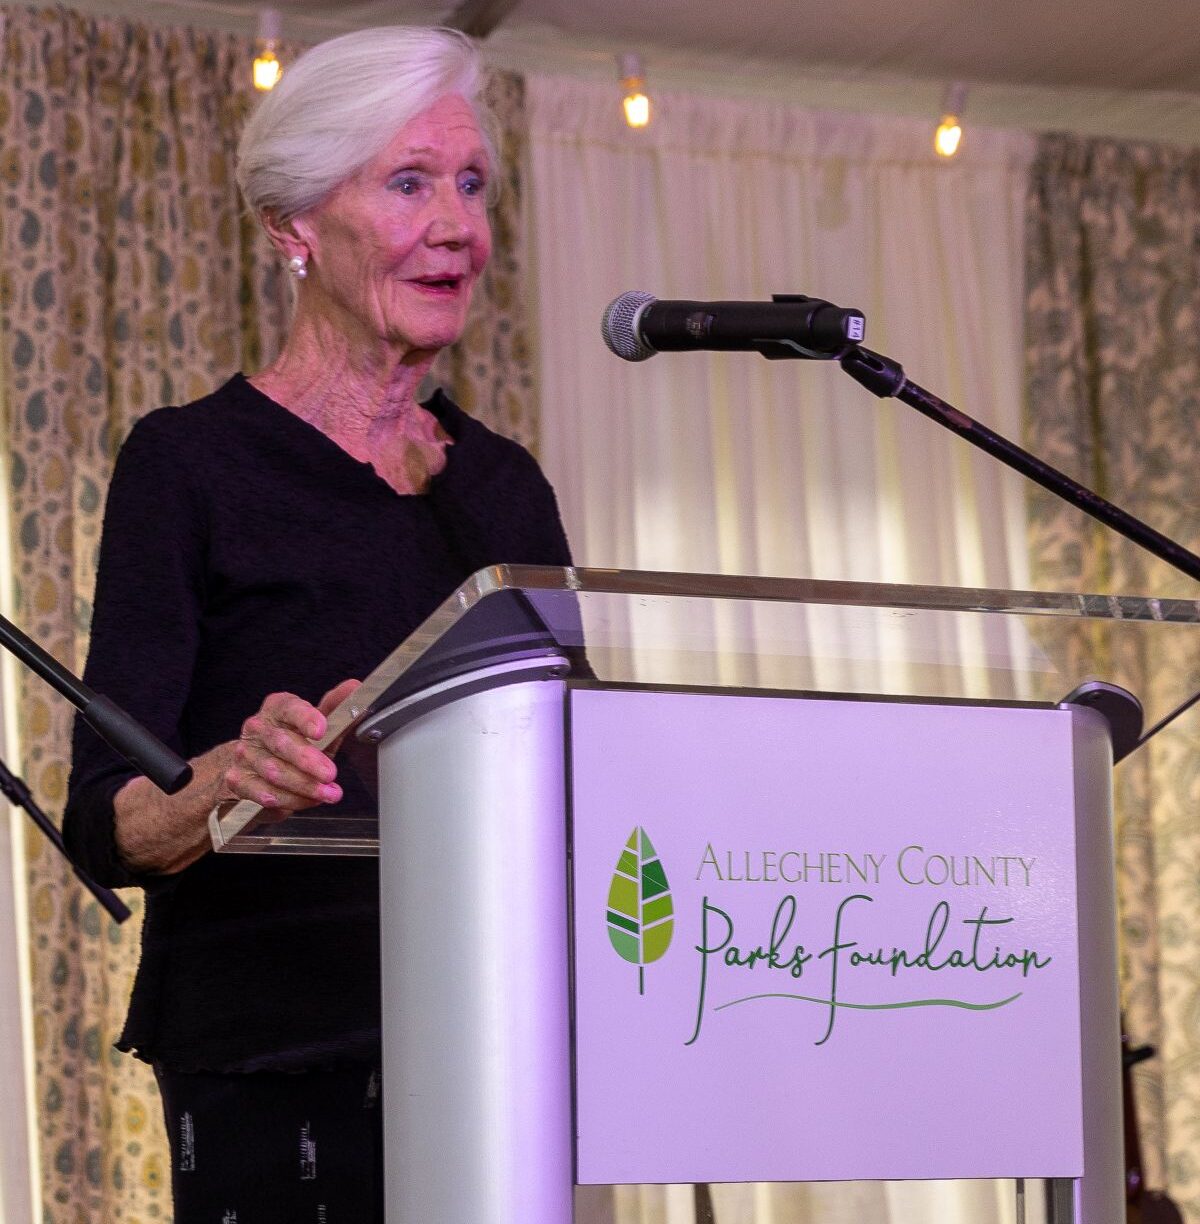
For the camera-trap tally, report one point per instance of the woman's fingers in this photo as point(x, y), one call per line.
point(274, 777)
point(336, 696)
point(275, 765)
point(330, 702)
point(292, 713)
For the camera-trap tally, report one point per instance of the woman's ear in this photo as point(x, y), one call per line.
point(290, 238)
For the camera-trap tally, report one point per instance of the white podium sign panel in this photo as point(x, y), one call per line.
point(823, 939)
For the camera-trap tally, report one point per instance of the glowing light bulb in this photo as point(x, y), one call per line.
point(637, 109)
point(267, 70)
point(633, 85)
point(948, 136)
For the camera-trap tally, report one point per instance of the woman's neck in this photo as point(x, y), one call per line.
point(365, 401)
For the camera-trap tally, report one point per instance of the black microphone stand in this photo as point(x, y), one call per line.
point(15, 791)
point(885, 378)
point(148, 754)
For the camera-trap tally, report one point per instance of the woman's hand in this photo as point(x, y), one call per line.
point(273, 763)
point(276, 765)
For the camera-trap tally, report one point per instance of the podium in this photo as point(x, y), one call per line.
point(692, 878)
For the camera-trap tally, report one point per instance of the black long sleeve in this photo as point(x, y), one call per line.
point(245, 553)
point(148, 604)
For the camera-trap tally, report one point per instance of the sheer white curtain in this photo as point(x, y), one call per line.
point(729, 463)
point(719, 462)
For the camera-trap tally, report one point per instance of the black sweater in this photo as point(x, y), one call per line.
point(245, 553)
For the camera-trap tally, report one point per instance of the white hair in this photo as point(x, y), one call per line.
point(341, 103)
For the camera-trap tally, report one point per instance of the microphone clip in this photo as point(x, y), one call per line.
point(790, 350)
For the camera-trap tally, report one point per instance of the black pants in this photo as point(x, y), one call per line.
point(275, 1148)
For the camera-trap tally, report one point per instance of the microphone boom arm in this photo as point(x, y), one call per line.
point(886, 378)
point(148, 754)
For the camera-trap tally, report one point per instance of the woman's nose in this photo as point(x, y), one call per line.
point(453, 223)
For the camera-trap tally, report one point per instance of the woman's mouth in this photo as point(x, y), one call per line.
point(442, 286)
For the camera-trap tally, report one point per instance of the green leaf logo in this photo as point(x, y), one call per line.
point(641, 918)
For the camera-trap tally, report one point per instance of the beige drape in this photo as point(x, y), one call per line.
point(130, 277)
point(1113, 361)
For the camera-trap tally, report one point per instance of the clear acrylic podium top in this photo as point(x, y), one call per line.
point(752, 635)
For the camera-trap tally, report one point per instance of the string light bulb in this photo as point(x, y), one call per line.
point(267, 68)
point(948, 137)
point(635, 103)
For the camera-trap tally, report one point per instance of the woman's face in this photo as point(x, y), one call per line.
point(395, 251)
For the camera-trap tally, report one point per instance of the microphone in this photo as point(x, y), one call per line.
point(637, 325)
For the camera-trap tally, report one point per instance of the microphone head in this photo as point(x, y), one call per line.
point(619, 327)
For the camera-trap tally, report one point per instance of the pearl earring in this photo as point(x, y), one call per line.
point(298, 267)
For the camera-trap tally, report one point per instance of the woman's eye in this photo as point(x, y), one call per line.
point(407, 184)
point(472, 185)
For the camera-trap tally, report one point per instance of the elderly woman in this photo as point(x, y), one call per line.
point(261, 547)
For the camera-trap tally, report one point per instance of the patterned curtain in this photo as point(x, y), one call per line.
point(490, 370)
point(130, 276)
point(1113, 365)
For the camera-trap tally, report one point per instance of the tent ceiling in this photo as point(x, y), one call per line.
point(1104, 44)
point(1107, 65)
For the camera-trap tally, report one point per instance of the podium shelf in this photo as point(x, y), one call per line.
point(801, 637)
